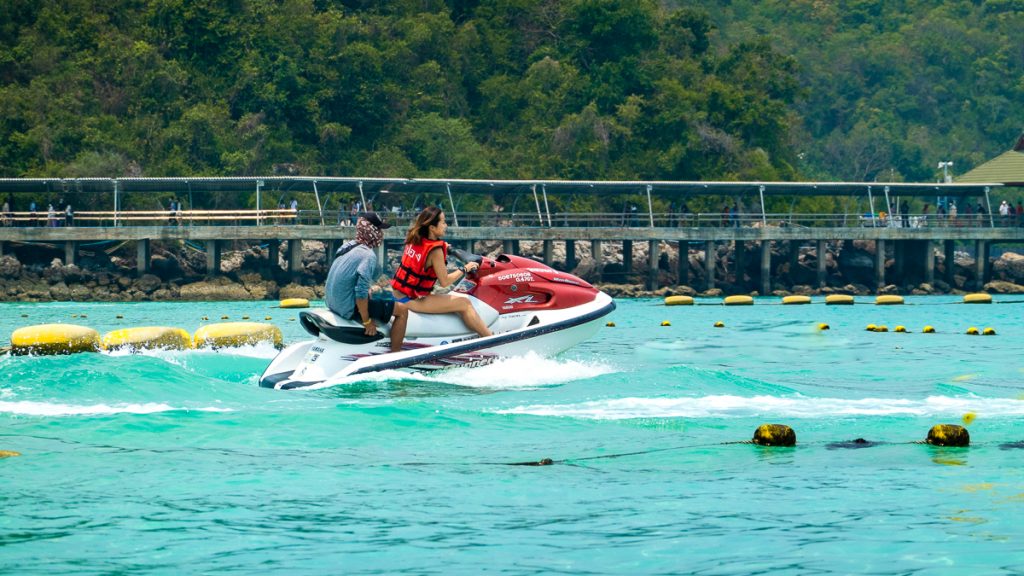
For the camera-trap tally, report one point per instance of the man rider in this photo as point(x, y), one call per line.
point(348, 283)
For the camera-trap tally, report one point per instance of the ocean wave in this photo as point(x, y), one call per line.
point(516, 372)
point(528, 371)
point(29, 408)
point(793, 407)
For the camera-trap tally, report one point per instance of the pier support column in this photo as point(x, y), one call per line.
point(598, 255)
point(794, 258)
point(684, 262)
point(929, 262)
point(1, 248)
point(330, 247)
point(70, 251)
point(822, 251)
point(653, 255)
point(515, 247)
point(950, 249)
point(273, 254)
point(709, 264)
point(570, 255)
point(142, 253)
point(766, 267)
point(980, 261)
point(740, 253)
point(212, 257)
point(382, 259)
point(507, 247)
point(879, 265)
point(547, 252)
point(294, 257)
point(627, 257)
point(899, 255)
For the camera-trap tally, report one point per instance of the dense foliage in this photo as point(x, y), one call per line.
point(570, 89)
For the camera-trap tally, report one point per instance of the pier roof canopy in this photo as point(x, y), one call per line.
point(443, 186)
point(1007, 168)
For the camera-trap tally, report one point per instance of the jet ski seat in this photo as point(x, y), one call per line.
point(317, 323)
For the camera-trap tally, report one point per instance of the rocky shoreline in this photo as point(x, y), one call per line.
point(34, 274)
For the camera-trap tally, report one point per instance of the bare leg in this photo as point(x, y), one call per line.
point(398, 326)
point(444, 303)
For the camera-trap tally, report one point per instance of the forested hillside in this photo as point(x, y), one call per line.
point(595, 89)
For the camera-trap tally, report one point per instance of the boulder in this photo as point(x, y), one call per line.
point(148, 283)
point(1003, 287)
point(296, 291)
point(1010, 265)
point(10, 267)
point(166, 266)
point(60, 291)
point(214, 290)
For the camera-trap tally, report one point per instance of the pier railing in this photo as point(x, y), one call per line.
point(246, 218)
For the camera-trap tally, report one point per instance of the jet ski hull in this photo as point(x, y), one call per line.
point(324, 361)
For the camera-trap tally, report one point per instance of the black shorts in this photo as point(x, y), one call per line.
point(381, 310)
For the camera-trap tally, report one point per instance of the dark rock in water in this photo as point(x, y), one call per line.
point(852, 444)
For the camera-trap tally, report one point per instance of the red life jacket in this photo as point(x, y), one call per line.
point(412, 279)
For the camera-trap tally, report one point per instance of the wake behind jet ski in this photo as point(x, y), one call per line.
point(528, 306)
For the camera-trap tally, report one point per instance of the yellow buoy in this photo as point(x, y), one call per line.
point(294, 303)
point(678, 300)
point(245, 317)
point(839, 299)
point(888, 300)
point(666, 323)
point(969, 418)
point(148, 338)
point(230, 334)
point(119, 316)
point(9, 453)
point(796, 299)
point(267, 318)
point(738, 300)
point(823, 326)
point(774, 435)
point(900, 329)
point(204, 318)
point(977, 298)
point(54, 339)
point(871, 328)
point(719, 324)
point(948, 435)
point(989, 332)
point(928, 330)
point(610, 324)
point(882, 328)
point(972, 331)
point(223, 317)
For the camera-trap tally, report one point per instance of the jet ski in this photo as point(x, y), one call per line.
point(528, 306)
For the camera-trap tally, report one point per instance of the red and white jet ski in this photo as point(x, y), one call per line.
point(528, 306)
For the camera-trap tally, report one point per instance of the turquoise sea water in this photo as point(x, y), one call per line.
point(177, 462)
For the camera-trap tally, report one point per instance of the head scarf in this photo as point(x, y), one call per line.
point(368, 234)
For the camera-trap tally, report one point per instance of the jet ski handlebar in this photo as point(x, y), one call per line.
point(464, 256)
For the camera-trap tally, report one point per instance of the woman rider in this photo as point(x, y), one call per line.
point(423, 265)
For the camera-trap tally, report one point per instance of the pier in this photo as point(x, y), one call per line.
point(909, 239)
